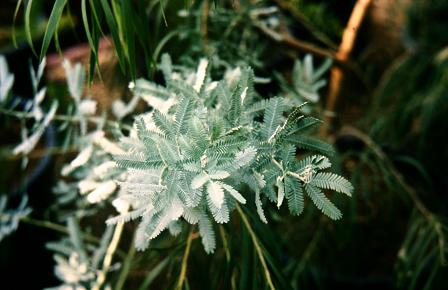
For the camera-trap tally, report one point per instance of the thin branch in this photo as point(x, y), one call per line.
point(292, 42)
point(257, 247)
point(303, 46)
point(56, 227)
point(183, 269)
point(204, 24)
point(286, 5)
point(64, 118)
point(308, 47)
point(345, 48)
point(101, 278)
point(61, 229)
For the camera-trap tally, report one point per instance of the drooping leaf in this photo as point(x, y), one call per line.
point(52, 25)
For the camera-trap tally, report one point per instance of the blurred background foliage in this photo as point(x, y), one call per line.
point(388, 126)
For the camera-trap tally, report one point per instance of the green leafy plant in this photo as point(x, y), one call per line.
point(202, 150)
point(306, 80)
point(197, 157)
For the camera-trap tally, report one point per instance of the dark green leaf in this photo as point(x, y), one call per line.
point(52, 25)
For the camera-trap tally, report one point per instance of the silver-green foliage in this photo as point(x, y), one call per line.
point(10, 218)
point(78, 264)
point(307, 80)
point(217, 145)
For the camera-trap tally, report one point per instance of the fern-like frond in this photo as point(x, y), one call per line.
point(272, 117)
point(315, 161)
point(172, 213)
point(234, 114)
point(245, 157)
point(259, 206)
point(327, 180)
point(194, 157)
point(215, 193)
point(322, 202)
point(146, 226)
point(192, 215)
point(280, 191)
point(247, 81)
point(233, 192)
point(220, 214)
point(125, 162)
point(218, 174)
point(191, 197)
point(294, 195)
point(198, 137)
point(228, 144)
point(184, 109)
point(288, 154)
point(183, 89)
point(310, 143)
point(132, 215)
point(256, 109)
point(167, 151)
point(166, 66)
point(199, 180)
point(207, 233)
point(147, 90)
point(136, 188)
point(164, 124)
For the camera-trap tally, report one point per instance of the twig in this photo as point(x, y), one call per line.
point(64, 118)
point(56, 227)
point(257, 247)
point(292, 42)
point(183, 269)
point(346, 46)
point(204, 24)
point(306, 23)
point(101, 278)
point(308, 47)
point(61, 229)
point(303, 46)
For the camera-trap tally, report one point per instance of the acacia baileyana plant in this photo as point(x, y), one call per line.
point(203, 149)
point(208, 146)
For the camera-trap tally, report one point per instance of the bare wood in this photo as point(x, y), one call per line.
point(204, 24)
point(308, 47)
point(342, 55)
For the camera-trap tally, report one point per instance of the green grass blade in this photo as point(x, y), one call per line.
point(94, 8)
point(52, 25)
point(129, 36)
point(28, 34)
point(87, 27)
point(93, 40)
point(113, 30)
point(16, 11)
point(154, 273)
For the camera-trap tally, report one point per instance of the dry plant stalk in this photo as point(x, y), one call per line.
point(342, 55)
